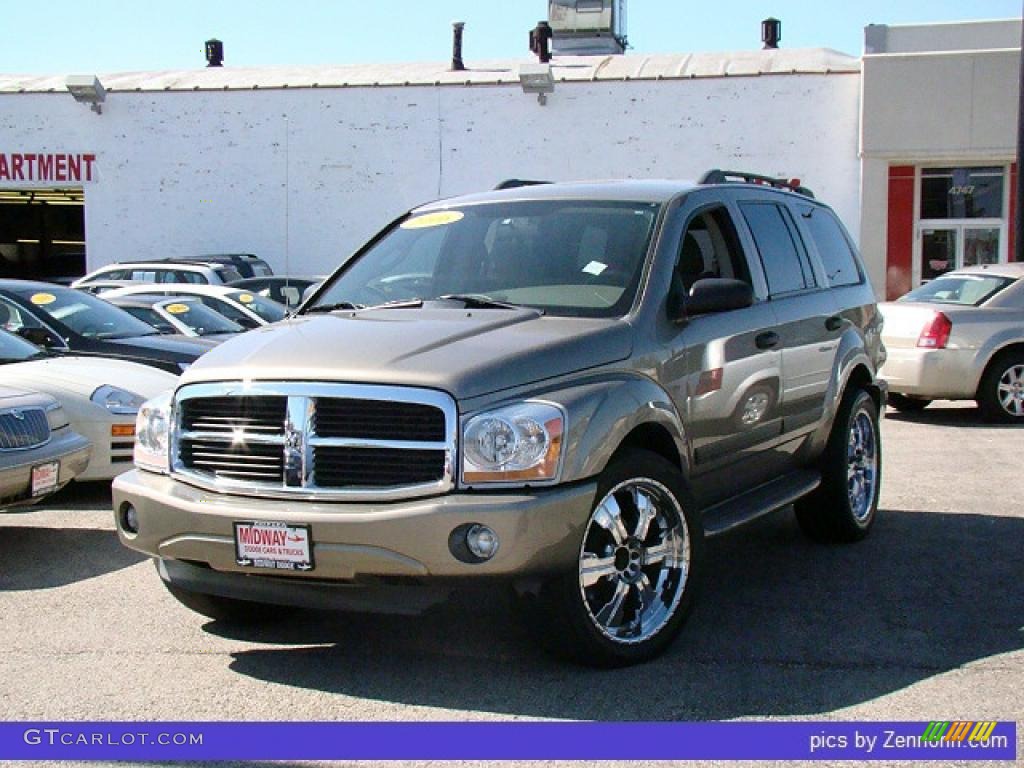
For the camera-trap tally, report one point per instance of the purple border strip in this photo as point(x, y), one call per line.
point(489, 741)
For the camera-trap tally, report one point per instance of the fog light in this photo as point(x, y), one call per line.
point(482, 541)
point(129, 519)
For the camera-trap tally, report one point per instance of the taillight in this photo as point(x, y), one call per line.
point(935, 334)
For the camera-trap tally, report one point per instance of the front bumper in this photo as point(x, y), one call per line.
point(947, 374)
point(69, 448)
point(540, 531)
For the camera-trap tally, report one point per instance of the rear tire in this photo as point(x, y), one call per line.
point(228, 609)
point(905, 404)
point(844, 506)
point(639, 561)
point(1001, 391)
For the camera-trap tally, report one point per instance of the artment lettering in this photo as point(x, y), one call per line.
point(30, 166)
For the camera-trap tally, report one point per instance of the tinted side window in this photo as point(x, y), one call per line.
point(833, 247)
point(777, 246)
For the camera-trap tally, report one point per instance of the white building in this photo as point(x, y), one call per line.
point(301, 165)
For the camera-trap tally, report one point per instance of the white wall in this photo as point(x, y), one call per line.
point(182, 173)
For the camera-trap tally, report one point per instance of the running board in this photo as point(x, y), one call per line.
point(759, 501)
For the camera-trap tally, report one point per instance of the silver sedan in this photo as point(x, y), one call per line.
point(959, 337)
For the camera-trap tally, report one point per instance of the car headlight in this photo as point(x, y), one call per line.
point(520, 443)
point(152, 434)
point(56, 416)
point(117, 400)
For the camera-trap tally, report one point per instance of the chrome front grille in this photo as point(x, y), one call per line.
point(320, 441)
point(22, 428)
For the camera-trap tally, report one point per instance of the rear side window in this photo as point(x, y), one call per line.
point(833, 247)
point(227, 274)
point(779, 248)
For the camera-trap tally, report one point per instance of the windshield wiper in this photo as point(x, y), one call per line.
point(333, 307)
point(397, 304)
point(477, 301)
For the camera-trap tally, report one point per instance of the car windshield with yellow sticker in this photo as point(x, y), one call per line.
point(572, 258)
point(83, 313)
point(199, 318)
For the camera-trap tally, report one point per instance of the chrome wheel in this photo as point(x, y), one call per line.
point(862, 465)
point(635, 561)
point(1010, 391)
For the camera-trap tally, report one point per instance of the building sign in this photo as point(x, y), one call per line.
point(28, 166)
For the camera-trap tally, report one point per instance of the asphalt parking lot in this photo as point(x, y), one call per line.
point(921, 621)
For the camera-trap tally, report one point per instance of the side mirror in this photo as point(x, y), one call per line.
point(711, 295)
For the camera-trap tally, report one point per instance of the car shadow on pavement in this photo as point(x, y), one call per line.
point(783, 627)
point(940, 416)
point(44, 558)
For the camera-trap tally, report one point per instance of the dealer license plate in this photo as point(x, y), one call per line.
point(44, 478)
point(278, 546)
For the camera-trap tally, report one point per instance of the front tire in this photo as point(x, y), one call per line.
point(638, 564)
point(844, 506)
point(1001, 391)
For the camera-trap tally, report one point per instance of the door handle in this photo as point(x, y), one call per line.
point(766, 340)
point(834, 323)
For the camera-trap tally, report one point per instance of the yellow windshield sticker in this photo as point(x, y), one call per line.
point(246, 298)
point(42, 299)
point(438, 219)
point(177, 309)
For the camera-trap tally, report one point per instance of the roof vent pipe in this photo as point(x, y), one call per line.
point(457, 27)
point(771, 33)
point(214, 53)
point(540, 41)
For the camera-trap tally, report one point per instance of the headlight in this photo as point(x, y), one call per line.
point(516, 444)
point(152, 434)
point(55, 416)
point(117, 400)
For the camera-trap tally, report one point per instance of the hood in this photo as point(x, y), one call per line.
point(83, 375)
point(465, 352)
point(185, 348)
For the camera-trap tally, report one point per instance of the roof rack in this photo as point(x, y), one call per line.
point(513, 183)
point(717, 176)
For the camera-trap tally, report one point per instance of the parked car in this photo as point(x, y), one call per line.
point(183, 315)
point(100, 397)
point(247, 264)
point(163, 271)
point(248, 309)
point(287, 291)
point(67, 320)
point(959, 337)
point(39, 452)
point(565, 385)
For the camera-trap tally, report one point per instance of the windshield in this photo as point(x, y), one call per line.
point(83, 313)
point(14, 349)
point(266, 308)
point(967, 290)
point(566, 257)
point(199, 318)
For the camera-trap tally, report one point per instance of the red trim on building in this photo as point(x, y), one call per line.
point(1012, 223)
point(899, 247)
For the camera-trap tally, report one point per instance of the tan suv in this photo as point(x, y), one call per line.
point(563, 385)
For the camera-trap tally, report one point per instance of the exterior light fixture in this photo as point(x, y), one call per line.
point(87, 89)
point(536, 78)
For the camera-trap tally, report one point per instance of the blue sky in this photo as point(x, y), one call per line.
point(62, 36)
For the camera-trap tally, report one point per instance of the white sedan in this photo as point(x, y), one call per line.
point(248, 309)
point(100, 396)
point(959, 337)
